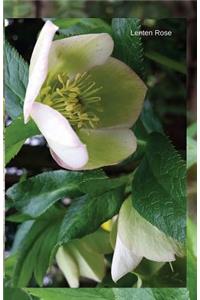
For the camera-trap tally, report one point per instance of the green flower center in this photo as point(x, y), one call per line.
point(76, 99)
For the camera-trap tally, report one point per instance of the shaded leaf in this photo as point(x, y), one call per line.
point(16, 79)
point(36, 194)
point(165, 276)
point(15, 136)
point(192, 130)
point(35, 250)
point(73, 294)
point(128, 48)
point(87, 213)
point(9, 265)
point(22, 231)
point(151, 294)
point(111, 294)
point(147, 123)
point(16, 294)
point(76, 26)
point(192, 259)
point(166, 61)
point(191, 152)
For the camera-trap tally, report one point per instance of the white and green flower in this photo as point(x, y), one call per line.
point(83, 100)
point(84, 257)
point(137, 238)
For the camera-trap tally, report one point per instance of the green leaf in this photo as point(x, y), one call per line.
point(79, 219)
point(18, 218)
point(128, 48)
point(36, 194)
point(21, 233)
point(150, 120)
point(15, 294)
point(192, 259)
point(27, 256)
point(76, 26)
point(15, 136)
point(191, 152)
point(192, 130)
point(9, 265)
point(35, 250)
point(151, 294)
point(147, 123)
point(100, 186)
point(164, 276)
point(48, 241)
point(73, 294)
point(159, 187)
point(129, 280)
point(111, 294)
point(16, 79)
point(166, 61)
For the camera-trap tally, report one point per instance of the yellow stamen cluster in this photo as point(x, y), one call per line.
point(74, 99)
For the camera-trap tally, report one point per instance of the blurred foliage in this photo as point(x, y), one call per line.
point(192, 258)
point(98, 8)
point(18, 8)
point(163, 79)
point(192, 202)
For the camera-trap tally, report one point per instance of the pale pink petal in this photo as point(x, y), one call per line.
point(74, 153)
point(38, 66)
point(65, 145)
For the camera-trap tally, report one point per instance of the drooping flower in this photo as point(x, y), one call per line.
point(84, 257)
point(137, 238)
point(83, 100)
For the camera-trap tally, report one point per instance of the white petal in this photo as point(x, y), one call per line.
point(78, 157)
point(143, 238)
point(68, 266)
point(124, 261)
point(137, 238)
point(64, 143)
point(80, 53)
point(38, 66)
point(90, 263)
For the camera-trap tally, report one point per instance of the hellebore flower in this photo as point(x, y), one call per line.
point(84, 257)
point(137, 238)
point(82, 100)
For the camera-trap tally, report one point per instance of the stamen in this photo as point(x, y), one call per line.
point(76, 99)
